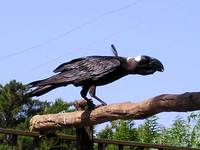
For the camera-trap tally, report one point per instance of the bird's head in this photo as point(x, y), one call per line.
point(144, 65)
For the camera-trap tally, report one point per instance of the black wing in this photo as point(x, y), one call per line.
point(92, 65)
point(81, 69)
point(76, 72)
point(69, 65)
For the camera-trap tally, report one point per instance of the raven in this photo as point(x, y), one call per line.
point(91, 71)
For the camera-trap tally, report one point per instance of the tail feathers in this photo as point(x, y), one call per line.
point(41, 90)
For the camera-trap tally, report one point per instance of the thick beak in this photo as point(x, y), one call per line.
point(157, 65)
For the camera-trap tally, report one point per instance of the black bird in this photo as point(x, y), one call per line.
point(92, 71)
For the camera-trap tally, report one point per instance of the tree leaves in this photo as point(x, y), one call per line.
point(16, 109)
point(183, 132)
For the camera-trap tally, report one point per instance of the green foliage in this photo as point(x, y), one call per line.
point(194, 125)
point(58, 106)
point(16, 109)
point(178, 134)
point(183, 132)
point(106, 133)
point(49, 140)
point(15, 106)
point(119, 130)
point(12, 104)
point(25, 143)
point(149, 131)
point(124, 130)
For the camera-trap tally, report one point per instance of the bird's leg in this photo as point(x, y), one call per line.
point(92, 92)
point(84, 92)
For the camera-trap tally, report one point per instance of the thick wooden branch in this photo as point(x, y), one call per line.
point(141, 110)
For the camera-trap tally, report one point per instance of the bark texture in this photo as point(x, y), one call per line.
point(189, 101)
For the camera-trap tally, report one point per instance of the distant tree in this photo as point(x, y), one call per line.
point(50, 141)
point(15, 106)
point(149, 131)
point(58, 106)
point(119, 130)
point(194, 125)
point(106, 133)
point(16, 109)
point(125, 130)
point(178, 134)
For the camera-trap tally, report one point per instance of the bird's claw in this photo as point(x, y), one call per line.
point(90, 104)
point(100, 105)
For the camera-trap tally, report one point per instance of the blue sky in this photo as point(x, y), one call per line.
point(168, 30)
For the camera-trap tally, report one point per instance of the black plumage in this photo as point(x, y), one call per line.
point(92, 71)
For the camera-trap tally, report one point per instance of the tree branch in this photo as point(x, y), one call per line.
point(141, 110)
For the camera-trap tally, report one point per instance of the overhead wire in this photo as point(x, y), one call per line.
point(86, 46)
point(99, 40)
point(64, 34)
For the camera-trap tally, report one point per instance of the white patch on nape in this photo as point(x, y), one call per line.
point(138, 58)
point(128, 58)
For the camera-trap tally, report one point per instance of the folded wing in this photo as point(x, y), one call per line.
point(77, 72)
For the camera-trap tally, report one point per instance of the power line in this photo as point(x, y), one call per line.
point(88, 45)
point(70, 31)
point(103, 39)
